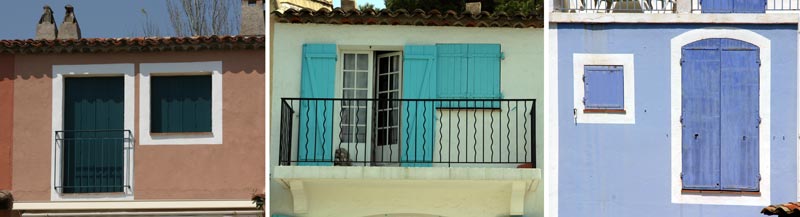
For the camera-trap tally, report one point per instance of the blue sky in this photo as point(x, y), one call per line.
point(97, 18)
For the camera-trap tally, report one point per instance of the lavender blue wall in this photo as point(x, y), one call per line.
point(624, 170)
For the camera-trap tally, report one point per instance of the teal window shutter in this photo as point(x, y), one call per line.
point(452, 70)
point(484, 71)
point(318, 77)
point(180, 104)
point(419, 82)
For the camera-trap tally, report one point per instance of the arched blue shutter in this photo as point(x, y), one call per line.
point(740, 118)
point(418, 118)
point(316, 125)
point(700, 116)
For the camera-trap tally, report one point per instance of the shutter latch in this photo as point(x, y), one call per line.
point(682, 60)
point(759, 62)
point(681, 175)
point(682, 121)
point(759, 122)
point(584, 100)
point(759, 177)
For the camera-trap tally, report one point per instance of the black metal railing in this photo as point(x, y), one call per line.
point(407, 132)
point(93, 161)
point(614, 6)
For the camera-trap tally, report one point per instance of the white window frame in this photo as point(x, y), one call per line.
point(580, 60)
point(92, 70)
point(147, 70)
point(676, 45)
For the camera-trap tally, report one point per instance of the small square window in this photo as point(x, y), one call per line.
point(180, 104)
point(604, 90)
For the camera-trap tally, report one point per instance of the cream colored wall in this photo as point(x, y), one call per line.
point(521, 75)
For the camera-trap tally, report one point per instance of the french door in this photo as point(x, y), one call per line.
point(387, 112)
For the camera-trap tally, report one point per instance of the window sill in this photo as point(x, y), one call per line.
point(610, 111)
point(718, 192)
point(182, 134)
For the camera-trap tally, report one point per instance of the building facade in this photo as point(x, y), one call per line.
point(132, 126)
point(685, 108)
point(397, 113)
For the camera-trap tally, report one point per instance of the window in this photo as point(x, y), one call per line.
point(720, 116)
point(468, 71)
point(180, 104)
point(355, 85)
point(733, 6)
point(603, 88)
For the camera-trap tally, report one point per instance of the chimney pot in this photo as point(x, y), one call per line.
point(348, 5)
point(473, 7)
point(70, 28)
point(253, 18)
point(46, 28)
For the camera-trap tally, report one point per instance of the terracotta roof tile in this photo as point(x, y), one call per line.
point(106, 45)
point(786, 209)
point(416, 17)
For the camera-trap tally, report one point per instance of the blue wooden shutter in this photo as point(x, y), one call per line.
point(700, 82)
point(451, 68)
point(717, 6)
point(484, 71)
point(740, 118)
point(604, 87)
point(317, 81)
point(750, 6)
point(419, 82)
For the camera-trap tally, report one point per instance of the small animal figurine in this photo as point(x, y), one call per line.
point(342, 158)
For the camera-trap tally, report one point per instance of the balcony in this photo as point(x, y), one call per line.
point(439, 149)
point(93, 161)
point(674, 6)
point(615, 6)
point(408, 132)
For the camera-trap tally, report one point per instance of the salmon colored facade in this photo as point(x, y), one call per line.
point(232, 170)
point(6, 119)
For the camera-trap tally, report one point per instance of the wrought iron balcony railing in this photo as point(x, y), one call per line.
point(93, 161)
point(408, 132)
point(614, 6)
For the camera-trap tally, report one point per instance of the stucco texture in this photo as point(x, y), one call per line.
point(521, 77)
point(625, 169)
point(232, 170)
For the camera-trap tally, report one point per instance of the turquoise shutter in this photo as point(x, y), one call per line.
point(604, 87)
point(484, 71)
point(700, 116)
point(419, 82)
point(317, 80)
point(740, 118)
point(451, 67)
point(93, 161)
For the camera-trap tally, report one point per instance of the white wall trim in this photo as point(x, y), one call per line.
point(551, 121)
point(670, 18)
point(764, 109)
point(626, 61)
point(98, 70)
point(149, 69)
point(118, 205)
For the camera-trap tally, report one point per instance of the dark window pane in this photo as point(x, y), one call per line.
point(180, 104)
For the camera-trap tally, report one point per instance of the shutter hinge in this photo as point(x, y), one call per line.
point(502, 55)
point(583, 78)
point(759, 62)
point(682, 61)
point(584, 100)
point(759, 121)
point(759, 177)
point(700, 2)
point(682, 121)
point(681, 175)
